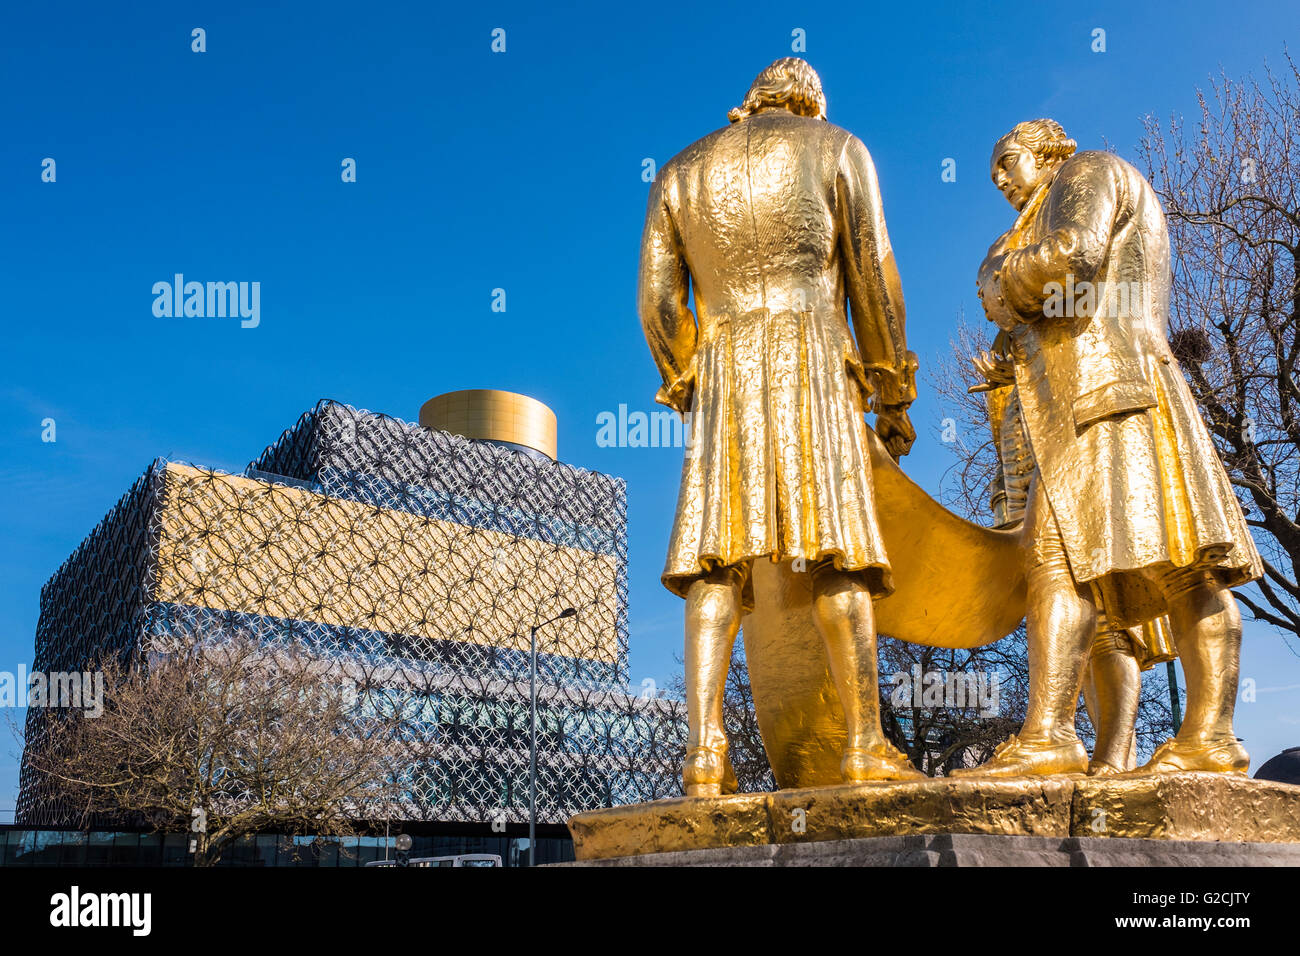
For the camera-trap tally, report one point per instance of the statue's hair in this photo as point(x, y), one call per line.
point(1045, 138)
point(789, 82)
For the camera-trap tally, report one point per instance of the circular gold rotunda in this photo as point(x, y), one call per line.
point(489, 414)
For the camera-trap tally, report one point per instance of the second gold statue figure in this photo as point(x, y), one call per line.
point(776, 223)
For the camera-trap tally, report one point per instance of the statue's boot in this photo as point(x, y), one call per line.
point(1206, 625)
point(882, 762)
point(1222, 756)
point(705, 772)
point(1112, 686)
point(1101, 768)
point(1026, 758)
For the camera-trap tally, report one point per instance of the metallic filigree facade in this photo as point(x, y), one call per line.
point(415, 559)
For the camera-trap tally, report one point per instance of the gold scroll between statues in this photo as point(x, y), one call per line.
point(956, 585)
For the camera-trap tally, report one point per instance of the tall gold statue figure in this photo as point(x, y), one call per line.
point(1112, 683)
point(775, 223)
point(1129, 511)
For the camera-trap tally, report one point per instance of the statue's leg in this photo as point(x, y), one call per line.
point(845, 618)
point(1061, 620)
point(713, 606)
point(1206, 625)
point(1111, 691)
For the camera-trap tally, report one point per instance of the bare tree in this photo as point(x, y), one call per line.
point(965, 487)
point(223, 739)
point(951, 731)
point(1230, 184)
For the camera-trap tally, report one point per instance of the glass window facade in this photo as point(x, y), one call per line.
point(20, 846)
point(443, 552)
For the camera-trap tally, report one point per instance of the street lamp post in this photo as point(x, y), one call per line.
point(532, 733)
point(1173, 695)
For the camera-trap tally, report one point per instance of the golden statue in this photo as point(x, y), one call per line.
point(1129, 512)
point(1113, 677)
point(1117, 522)
point(775, 223)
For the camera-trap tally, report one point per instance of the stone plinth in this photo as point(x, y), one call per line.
point(975, 849)
point(1197, 807)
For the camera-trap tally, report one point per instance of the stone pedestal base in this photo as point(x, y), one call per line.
point(975, 849)
point(1182, 807)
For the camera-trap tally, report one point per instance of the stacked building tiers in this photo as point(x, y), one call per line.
point(416, 559)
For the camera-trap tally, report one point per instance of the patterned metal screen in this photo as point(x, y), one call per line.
point(418, 561)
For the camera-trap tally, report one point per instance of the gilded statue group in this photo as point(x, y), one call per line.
point(772, 304)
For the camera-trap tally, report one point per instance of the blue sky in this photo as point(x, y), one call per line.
point(478, 170)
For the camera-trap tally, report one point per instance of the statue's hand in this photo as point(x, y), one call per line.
point(996, 368)
point(895, 430)
point(995, 307)
point(680, 393)
point(991, 266)
point(988, 283)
